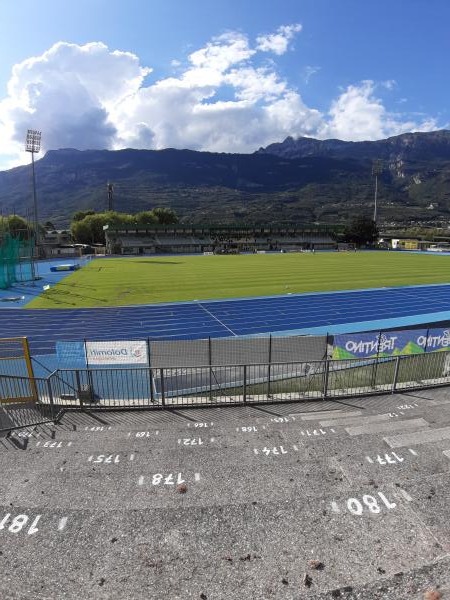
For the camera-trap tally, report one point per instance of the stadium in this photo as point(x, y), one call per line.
point(290, 397)
point(220, 315)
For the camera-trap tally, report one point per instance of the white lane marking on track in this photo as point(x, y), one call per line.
point(369, 459)
point(141, 480)
point(197, 476)
point(413, 452)
point(216, 319)
point(131, 456)
point(62, 523)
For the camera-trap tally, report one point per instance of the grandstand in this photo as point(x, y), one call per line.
point(179, 239)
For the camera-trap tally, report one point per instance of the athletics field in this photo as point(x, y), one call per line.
point(141, 280)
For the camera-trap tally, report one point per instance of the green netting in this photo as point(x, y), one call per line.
point(15, 260)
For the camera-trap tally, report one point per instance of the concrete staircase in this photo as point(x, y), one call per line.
point(235, 502)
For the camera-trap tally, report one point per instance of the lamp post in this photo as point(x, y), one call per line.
point(377, 168)
point(33, 144)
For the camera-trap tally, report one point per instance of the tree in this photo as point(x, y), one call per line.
point(17, 226)
point(88, 229)
point(81, 232)
point(361, 231)
point(165, 216)
point(81, 214)
point(146, 217)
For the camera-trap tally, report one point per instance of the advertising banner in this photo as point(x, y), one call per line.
point(388, 343)
point(71, 355)
point(436, 340)
point(116, 352)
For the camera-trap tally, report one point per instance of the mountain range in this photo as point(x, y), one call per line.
point(297, 180)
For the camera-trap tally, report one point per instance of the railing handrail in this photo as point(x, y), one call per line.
point(93, 369)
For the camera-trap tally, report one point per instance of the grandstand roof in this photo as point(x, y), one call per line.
point(218, 228)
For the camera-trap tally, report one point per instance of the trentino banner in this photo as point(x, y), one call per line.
point(390, 343)
point(119, 352)
point(436, 339)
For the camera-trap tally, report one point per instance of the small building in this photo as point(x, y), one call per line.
point(57, 242)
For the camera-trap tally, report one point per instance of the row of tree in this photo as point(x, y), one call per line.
point(360, 231)
point(87, 226)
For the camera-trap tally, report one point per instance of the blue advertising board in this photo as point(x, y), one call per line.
point(390, 343)
point(71, 355)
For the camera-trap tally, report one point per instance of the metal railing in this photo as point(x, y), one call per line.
point(25, 401)
point(140, 387)
point(150, 387)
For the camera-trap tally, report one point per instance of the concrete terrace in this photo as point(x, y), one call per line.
point(314, 500)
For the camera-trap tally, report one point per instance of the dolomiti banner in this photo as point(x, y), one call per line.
point(119, 352)
point(390, 343)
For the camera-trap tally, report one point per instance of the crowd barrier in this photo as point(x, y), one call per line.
point(144, 373)
point(208, 385)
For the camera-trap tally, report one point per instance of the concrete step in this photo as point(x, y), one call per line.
point(252, 550)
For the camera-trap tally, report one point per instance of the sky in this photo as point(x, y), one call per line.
point(218, 75)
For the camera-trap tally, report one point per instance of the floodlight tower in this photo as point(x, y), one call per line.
point(33, 144)
point(377, 168)
point(110, 192)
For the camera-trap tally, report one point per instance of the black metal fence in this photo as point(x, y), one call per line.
point(25, 401)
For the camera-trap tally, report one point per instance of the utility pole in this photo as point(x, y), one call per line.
point(377, 168)
point(110, 192)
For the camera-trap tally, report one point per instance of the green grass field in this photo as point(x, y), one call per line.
point(122, 281)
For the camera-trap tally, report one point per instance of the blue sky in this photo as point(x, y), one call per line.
point(219, 75)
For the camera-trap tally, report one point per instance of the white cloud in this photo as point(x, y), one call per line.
point(221, 99)
point(389, 84)
point(358, 114)
point(68, 93)
point(309, 71)
point(278, 42)
point(226, 50)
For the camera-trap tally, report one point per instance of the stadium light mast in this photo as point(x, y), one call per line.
point(33, 145)
point(377, 168)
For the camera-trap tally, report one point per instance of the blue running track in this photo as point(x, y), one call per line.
point(304, 313)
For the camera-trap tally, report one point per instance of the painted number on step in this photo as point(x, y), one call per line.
point(18, 523)
point(97, 428)
point(389, 458)
point(190, 441)
point(367, 504)
point(170, 479)
point(104, 458)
